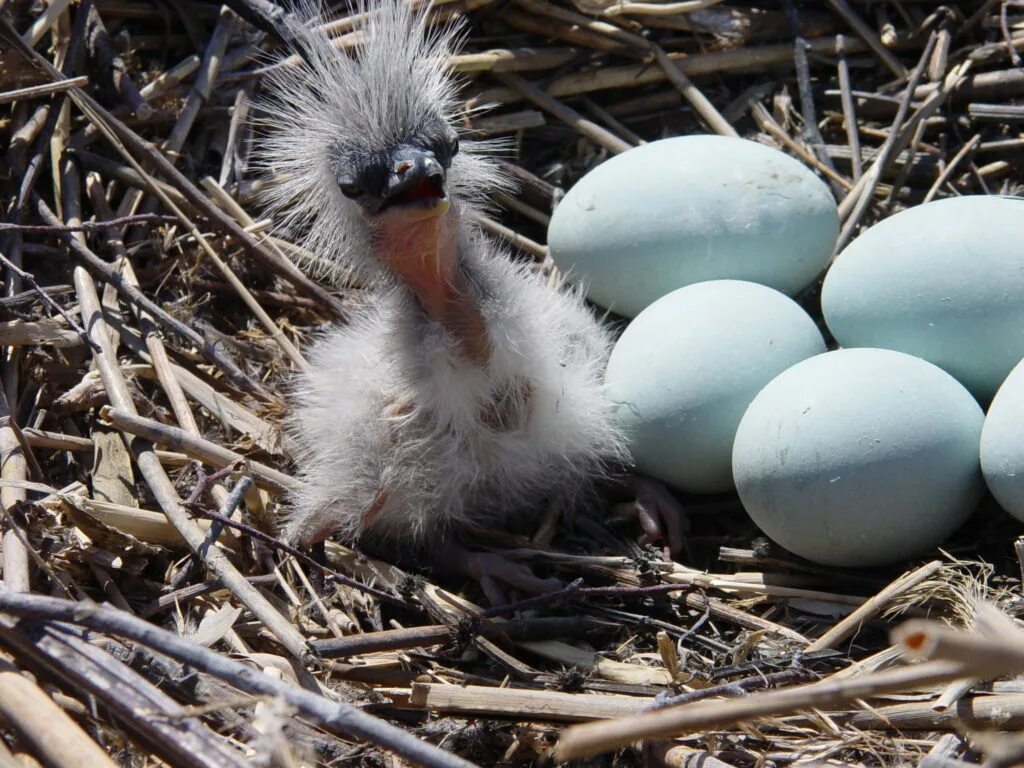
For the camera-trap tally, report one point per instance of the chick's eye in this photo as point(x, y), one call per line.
point(349, 188)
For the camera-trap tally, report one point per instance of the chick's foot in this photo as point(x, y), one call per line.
point(661, 517)
point(496, 574)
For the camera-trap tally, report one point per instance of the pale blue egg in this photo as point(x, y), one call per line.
point(689, 209)
point(1002, 449)
point(684, 371)
point(943, 281)
point(860, 457)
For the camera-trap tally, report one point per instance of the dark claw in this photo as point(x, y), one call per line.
point(661, 517)
point(496, 574)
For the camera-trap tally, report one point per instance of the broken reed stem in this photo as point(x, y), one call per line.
point(978, 656)
point(874, 606)
point(513, 238)
point(39, 722)
point(593, 738)
point(157, 350)
point(162, 487)
point(194, 101)
point(849, 108)
point(13, 466)
point(268, 323)
point(634, 76)
point(39, 91)
point(576, 590)
point(434, 634)
point(768, 124)
point(197, 447)
point(336, 717)
point(44, 22)
point(236, 211)
point(150, 716)
point(738, 687)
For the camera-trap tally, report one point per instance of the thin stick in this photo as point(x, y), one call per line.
point(951, 166)
point(577, 590)
point(659, 9)
point(811, 133)
point(223, 520)
point(334, 716)
point(855, 204)
point(868, 36)
point(434, 634)
point(565, 113)
point(768, 124)
point(738, 687)
point(155, 345)
point(523, 243)
point(88, 226)
point(197, 97)
point(171, 77)
point(46, 89)
point(701, 104)
point(613, 122)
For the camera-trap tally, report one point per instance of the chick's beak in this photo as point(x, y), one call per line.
point(416, 182)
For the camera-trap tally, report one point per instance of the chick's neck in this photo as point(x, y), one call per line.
point(424, 254)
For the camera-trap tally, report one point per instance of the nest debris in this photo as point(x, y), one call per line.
point(151, 324)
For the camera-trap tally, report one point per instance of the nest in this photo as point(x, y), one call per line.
point(151, 326)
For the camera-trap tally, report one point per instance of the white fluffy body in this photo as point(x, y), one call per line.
point(402, 440)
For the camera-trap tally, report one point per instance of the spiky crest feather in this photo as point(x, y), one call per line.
point(332, 102)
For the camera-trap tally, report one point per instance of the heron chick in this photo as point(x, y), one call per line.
point(469, 392)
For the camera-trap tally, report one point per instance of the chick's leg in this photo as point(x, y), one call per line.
point(661, 517)
point(496, 574)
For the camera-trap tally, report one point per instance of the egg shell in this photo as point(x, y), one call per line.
point(1002, 449)
point(684, 371)
point(943, 281)
point(860, 457)
point(688, 209)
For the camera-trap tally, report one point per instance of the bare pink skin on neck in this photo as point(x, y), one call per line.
point(422, 248)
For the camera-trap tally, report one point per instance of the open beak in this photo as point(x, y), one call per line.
point(416, 183)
